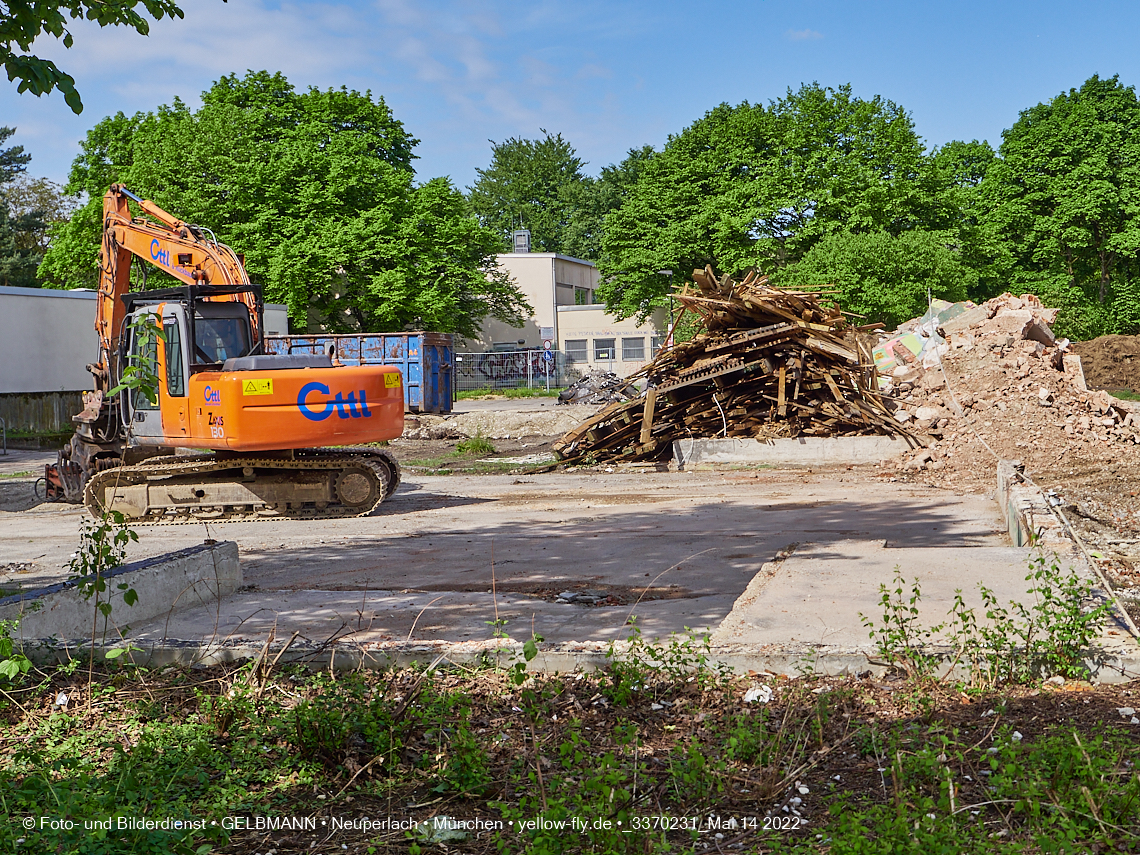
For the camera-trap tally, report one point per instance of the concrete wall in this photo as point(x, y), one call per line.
point(533, 273)
point(167, 583)
point(553, 284)
point(276, 319)
point(46, 339)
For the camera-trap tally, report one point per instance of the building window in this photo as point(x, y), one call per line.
point(655, 343)
point(583, 297)
point(576, 349)
point(633, 349)
point(603, 349)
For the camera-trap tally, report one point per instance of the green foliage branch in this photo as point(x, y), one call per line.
point(1014, 644)
point(23, 21)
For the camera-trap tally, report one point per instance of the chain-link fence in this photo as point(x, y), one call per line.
point(515, 369)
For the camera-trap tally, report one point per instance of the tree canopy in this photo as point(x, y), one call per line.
point(316, 188)
point(755, 186)
point(882, 276)
point(530, 184)
point(1063, 197)
point(21, 225)
point(23, 21)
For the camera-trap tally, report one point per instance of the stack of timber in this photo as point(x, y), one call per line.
point(768, 363)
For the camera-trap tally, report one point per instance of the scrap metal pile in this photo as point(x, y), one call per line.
point(597, 387)
point(768, 363)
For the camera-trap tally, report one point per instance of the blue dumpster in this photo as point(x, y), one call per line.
point(424, 359)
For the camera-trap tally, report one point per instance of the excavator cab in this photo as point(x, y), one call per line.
point(219, 331)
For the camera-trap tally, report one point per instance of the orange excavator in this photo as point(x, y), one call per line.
point(231, 433)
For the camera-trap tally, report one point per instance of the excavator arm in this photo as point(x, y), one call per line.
point(189, 253)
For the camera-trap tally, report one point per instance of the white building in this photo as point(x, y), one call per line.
point(562, 291)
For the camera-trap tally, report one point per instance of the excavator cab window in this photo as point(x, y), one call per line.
point(175, 379)
point(144, 352)
point(221, 332)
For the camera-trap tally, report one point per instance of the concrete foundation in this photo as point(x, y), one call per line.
point(190, 578)
point(801, 451)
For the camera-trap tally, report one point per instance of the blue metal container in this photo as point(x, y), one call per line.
point(424, 359)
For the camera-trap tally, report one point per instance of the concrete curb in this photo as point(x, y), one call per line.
point(802, 451)
point(167, 583)
point(1107, 666)
point(1028, 518)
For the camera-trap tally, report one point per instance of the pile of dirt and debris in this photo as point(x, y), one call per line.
point(1111, 362)
point(598, 387)
point(999, 387)
point(998, 367)
point(769, 362)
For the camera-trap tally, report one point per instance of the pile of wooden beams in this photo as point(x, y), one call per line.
point(767, 363)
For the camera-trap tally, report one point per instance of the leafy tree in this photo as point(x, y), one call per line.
point(316, 189)
point(23, 21)
point(13, 161)
point(1064, 197)
point(46, 204)
point(754, 186)
point(530, 184)
point(19, 254)
point(591, 199)
point(884, 277)
point(17, 265)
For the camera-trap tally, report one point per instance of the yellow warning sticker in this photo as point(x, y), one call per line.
point(257, 387)
point(392, 380)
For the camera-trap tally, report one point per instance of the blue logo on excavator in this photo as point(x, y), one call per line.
point(346, 406)
point(157, 253)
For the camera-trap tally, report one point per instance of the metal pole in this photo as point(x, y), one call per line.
point(529, 370)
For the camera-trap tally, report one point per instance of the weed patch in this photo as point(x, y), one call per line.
point(658, 752)
point(1013, 643)
point(487, 392)
point(477, 444)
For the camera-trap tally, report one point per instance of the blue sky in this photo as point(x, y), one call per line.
point(607, 75)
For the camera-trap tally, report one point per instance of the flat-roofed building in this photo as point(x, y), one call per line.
point(562, 291)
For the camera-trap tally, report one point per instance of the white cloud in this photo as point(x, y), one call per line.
point(593, 69)
point(802, 35)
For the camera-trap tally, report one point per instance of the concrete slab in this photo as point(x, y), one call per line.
point(677, 550)
point(816, 595)
point(802, 451)
point(674, 549)
point(18, 461)
point(373, 618)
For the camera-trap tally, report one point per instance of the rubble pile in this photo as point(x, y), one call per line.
point(598, 387)
point(998, 377)
point(768, 363)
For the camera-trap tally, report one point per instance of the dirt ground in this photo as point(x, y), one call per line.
point(1110, 362)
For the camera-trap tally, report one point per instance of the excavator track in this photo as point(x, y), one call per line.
point(313, 484)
